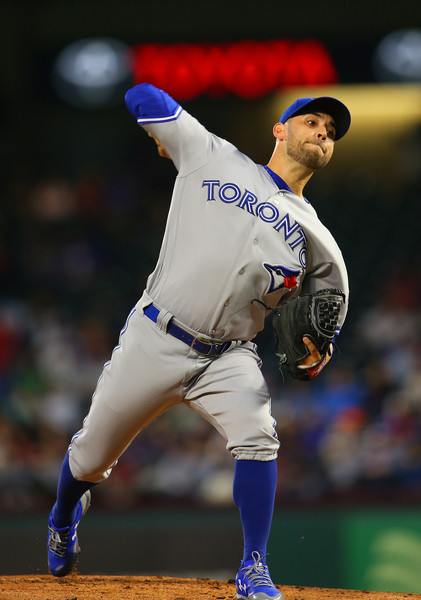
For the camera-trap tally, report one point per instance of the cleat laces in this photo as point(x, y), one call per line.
point(258, 573)
point(58, 542)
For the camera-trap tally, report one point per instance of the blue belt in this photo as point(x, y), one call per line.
point(200, 345)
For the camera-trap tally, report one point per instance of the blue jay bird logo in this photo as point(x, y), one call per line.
point(281, 277)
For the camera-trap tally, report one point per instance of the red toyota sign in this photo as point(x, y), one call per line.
point(248, 69)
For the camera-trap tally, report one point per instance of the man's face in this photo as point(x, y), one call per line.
point(310, 139)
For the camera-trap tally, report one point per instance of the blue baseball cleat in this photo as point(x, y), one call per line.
point(253, 581)
point(63, 547)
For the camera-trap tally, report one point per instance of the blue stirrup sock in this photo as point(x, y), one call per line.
point(254, 492)
point(69, 492)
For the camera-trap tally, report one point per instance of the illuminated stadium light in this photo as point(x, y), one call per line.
point(398, 57)
point(92, 73)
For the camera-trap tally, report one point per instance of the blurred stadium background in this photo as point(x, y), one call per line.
point(84, 199)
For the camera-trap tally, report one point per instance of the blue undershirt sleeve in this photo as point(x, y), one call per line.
point(149, 104)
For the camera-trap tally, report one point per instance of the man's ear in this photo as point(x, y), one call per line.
point(279, 131)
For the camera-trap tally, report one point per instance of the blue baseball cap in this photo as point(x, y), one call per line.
point(331, 106)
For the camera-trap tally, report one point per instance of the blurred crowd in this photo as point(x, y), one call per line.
point(74, 257)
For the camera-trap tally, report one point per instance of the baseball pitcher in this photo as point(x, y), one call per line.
point(241, 242)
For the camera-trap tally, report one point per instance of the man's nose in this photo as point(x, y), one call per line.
point(322, 133)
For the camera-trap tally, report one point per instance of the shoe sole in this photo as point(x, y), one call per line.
point(265, 597)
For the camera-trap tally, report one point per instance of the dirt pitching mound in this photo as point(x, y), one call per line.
point(97, 587)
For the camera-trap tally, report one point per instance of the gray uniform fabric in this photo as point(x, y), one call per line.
point(232, 236)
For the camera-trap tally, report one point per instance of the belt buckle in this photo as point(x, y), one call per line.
point(218, 347)
point(213, 346)
point(197, 339)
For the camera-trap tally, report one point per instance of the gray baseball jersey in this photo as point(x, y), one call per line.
point(233, 236)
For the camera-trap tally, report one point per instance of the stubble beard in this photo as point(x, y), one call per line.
point(304, 156)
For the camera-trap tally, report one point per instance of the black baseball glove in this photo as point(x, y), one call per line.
point(314, 316)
